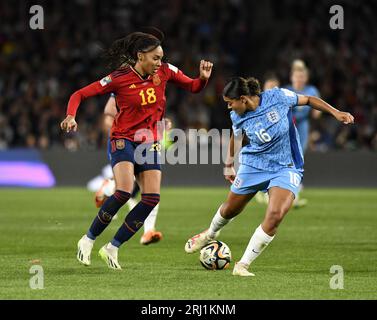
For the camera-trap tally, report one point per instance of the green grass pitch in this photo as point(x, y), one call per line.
point(338, 227)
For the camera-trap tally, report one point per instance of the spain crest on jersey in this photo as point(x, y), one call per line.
point(120, 144)
point(156, 80)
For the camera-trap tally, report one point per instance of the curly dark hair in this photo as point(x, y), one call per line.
point(124, 51)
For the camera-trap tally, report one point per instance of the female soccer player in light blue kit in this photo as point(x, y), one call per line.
point(302, 114)
point(272, 160)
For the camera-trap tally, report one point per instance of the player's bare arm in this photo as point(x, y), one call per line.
point(319, 104)
point(109, 112)
point(235, 145)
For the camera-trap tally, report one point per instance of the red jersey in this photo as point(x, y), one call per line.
point(141, 101)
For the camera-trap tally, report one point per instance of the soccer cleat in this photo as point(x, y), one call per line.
point(84, 249)
point(150, 237)
point(199, 241)
point(240, 269)
point(110, 257)
point(104, 192)
point(99, 200)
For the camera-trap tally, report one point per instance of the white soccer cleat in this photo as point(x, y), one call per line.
point(84, 249)
point(110, 257)
point(240, 269)
point(199, 241)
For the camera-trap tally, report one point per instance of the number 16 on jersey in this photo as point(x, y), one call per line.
point(263, 136)
point(294, 178)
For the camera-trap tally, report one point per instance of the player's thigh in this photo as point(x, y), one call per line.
point(149, 181)
point(234, 204)
point(124, 176)
point(280, 201)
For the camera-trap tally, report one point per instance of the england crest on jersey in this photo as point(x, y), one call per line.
point(273, 116)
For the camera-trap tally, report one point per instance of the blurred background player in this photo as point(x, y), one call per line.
point(302, 114)
point(272, 161)
point(271, 81)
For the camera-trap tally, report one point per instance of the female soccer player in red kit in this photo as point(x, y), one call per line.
point(139, 83)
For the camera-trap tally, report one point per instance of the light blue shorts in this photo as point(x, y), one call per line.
point(252, 180)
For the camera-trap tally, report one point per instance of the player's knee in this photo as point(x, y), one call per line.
point(123, 188)
point(228, 211)
point(275, 215)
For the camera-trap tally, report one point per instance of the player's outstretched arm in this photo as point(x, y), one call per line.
point(319, 104)
point(105, 85)
point(192, 85)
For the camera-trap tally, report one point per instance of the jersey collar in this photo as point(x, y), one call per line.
point(139, 75)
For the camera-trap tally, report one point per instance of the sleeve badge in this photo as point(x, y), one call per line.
point(105, 81)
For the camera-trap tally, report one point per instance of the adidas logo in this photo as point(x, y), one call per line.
point(132, 86)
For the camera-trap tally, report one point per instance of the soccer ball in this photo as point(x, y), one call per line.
point(215, 256)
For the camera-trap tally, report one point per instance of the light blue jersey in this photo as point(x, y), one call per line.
point(301, 114)
point(273, 139)
point(273, 156)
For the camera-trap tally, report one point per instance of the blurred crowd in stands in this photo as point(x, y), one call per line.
point(40, 69)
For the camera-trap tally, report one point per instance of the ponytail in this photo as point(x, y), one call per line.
point(239, 86)
point(254, 86)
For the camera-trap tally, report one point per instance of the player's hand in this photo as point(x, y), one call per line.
point(69, 124)
point(229, 174)
point(344, 117)
point(205, 69)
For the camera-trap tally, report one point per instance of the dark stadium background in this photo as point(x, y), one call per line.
point(40, 69)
